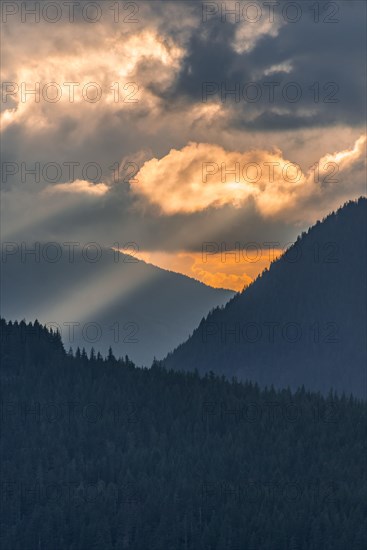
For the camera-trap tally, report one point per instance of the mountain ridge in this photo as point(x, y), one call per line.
point(129, 300)
point(331, 254)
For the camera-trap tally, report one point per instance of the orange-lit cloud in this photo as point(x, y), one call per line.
point(348, 156)
point(68, 83)
point(202, 175)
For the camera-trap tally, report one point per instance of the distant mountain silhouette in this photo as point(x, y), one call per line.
point(134, 307)
point(303, 321)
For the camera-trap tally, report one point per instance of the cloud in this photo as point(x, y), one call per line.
point(77, 84)
point(275, 50)
point(202, 176)
point(285, 67)
point(78, 186)
point(248, 33)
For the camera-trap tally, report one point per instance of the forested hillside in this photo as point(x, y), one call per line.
point(98, 454)
point(303, 321)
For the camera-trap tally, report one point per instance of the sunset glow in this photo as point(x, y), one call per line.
point(233, 269)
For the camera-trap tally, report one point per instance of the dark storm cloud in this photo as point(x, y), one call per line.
point(329, 54)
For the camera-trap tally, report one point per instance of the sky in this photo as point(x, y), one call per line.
point(204, 136)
